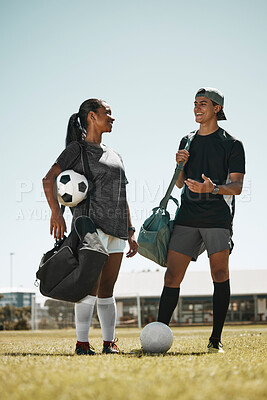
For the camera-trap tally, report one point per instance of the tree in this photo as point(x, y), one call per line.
point(17, 318)
point(61, 311)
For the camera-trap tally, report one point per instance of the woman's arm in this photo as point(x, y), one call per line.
point(57, 222)
point(131, 237)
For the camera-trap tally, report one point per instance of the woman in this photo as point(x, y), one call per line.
point(108, 209)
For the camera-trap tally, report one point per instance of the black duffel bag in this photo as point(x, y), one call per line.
point(71, 269)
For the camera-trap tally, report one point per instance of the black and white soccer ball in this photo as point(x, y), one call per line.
point(72, 188)
point(156, 337)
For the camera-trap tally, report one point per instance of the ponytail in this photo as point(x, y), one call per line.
point(77, 125)
point(74, 131)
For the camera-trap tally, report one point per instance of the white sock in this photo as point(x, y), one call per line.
point(83, 317)
point(107, 314)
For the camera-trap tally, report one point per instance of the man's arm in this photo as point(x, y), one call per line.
point(232, 188)
point(181, 155)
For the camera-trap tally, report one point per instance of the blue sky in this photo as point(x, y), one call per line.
point(147, 59)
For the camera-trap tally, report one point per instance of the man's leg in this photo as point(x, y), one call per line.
point(177, 264)
point(219, 265)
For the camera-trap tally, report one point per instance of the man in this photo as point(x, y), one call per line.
point(213, 174)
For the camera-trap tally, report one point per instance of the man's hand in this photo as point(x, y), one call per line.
point(182, 155)
point(197, 187)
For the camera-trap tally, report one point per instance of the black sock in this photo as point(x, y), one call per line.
point(221, 299)
point(168, 302)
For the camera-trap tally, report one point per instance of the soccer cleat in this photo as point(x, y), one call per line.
point(84, 348)
point(215, 346)
point(111, 347)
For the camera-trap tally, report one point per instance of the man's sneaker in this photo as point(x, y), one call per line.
point(84, 348)
point(111, 347)
point(215, 346)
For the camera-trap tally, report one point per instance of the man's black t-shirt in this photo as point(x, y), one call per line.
point(216, 155)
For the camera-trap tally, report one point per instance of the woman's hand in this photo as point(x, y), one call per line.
point(133, 246)
point(57, 225)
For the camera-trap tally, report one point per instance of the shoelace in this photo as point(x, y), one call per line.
point(113, 344)
point(215, 344)
point(91, 347)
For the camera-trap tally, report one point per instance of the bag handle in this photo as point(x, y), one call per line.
point(177, 171)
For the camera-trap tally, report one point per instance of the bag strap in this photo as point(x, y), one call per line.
point(177, 171)
point(87, 173)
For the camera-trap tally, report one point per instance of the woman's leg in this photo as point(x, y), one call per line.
point(83, 318)
point(106, 304)
point(109, 275)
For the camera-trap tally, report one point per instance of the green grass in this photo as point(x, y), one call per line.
point(41, 366)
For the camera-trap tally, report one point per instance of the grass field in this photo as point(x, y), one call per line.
point(41, 366)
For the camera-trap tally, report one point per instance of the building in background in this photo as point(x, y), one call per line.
point(18, 297)
point(138, 294)
point(142, 290)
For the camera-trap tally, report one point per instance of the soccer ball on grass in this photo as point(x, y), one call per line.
point(156, 337)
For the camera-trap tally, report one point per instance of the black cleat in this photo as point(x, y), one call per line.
point(215, 346)
point(111, 347)
point(84, 348)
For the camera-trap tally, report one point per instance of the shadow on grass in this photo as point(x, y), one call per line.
point(199, 353)
point(141, 353)
point(37, 354)
point(137, 353)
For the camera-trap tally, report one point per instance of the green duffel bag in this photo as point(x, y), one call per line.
point(154, 236)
